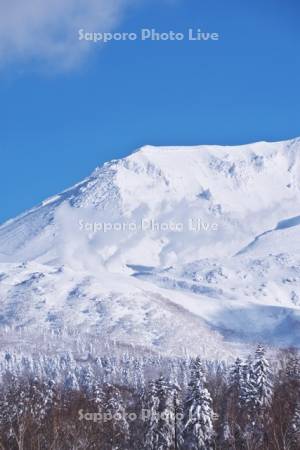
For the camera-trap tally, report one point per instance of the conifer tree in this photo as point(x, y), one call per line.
point(151, 414)
point(261, 381)
point(117, 424)
point(199, 429)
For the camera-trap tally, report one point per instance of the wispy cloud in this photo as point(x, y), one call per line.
point(46, 30)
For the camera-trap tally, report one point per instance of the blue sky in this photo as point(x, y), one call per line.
point(64, 108)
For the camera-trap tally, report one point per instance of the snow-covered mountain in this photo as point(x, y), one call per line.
point(170, 248)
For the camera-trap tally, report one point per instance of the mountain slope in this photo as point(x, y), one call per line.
point(205, 237)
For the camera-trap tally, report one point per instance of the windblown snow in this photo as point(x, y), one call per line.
point(172, 248)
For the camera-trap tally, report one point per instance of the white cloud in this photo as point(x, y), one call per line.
point(47, 30)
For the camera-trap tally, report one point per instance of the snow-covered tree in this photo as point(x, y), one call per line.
point(199, 428)
point(117, 424)
point(16, 408)
point(98, 395)
point(261, 381)
point(87, 379)
point(71, 382)
point(168, 395)
point(293, 368)
point(164, 415)
point(138, 374)
point(151, 413)
point(257, 392)
point(236, 378)
point(42, 396)
point(246, 387)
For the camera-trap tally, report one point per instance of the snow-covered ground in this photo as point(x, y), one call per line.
point(172, 248)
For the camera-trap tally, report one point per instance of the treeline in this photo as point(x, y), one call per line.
point(148, 402)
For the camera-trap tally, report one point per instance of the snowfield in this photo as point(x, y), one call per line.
point(151, 279)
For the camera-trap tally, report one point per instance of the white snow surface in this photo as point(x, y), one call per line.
point(233, 281)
